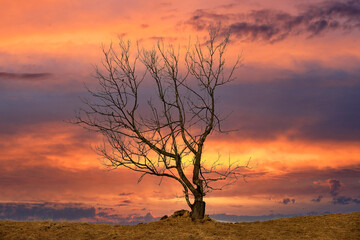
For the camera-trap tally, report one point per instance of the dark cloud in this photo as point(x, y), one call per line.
point(200, 18)
point(335, 186)
point(319, 105)
point(318, 199)
point(342, 200)
point(67, 212)
point(24, 76)
point(44, 211)
point(102, 214)
point(349, 175)
point(308, 181)
point(254, 31)
point(124, 203)
point(20, 108)
point(287, 201)
point(126, 194)
point(272, 25)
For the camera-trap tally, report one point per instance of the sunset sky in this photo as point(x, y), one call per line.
point(295, 101)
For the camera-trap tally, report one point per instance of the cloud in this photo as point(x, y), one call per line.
point(28, 160)
point(68, 212)
point(45, 211)
point(272, 25)
point(49, 17)
point(24, 76)
point(309, 180)
point(201, 17)
point(342, 200)
point(124, 203)
point(25, 108)
point(26, 181)
point(286, 201)
point(126, 194)
point(318, 199)
point(335, 186)
point(318, 104)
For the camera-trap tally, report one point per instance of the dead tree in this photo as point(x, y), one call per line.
point(166, 133)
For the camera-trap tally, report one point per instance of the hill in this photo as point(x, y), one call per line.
point(179, 226)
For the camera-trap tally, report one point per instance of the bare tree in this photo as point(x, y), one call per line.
point(166, 133)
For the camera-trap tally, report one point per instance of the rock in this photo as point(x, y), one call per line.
point(164, 217)
point(181, 213)
point(206, 219)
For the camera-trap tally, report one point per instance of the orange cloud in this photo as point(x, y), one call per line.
point(54, 162)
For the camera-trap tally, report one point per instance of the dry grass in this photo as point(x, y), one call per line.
point(333, 226)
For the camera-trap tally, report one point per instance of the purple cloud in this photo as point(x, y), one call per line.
point(342, 200)
point(272, 25)
point(318, 199)
point(335, 186)
point(24, 76)
point(44, 211)
point(287, 201)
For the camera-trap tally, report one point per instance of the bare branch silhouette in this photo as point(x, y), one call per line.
point(181, 114)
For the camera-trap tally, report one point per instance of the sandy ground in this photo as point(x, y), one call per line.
point(333, 226)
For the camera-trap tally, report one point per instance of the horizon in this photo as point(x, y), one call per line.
point(295, 102)
point(58, 215)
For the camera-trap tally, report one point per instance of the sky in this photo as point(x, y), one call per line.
point(295, 101)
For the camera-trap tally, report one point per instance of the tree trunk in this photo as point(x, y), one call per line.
point(198, 210)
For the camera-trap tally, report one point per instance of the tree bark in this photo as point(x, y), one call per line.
point(198, 210)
